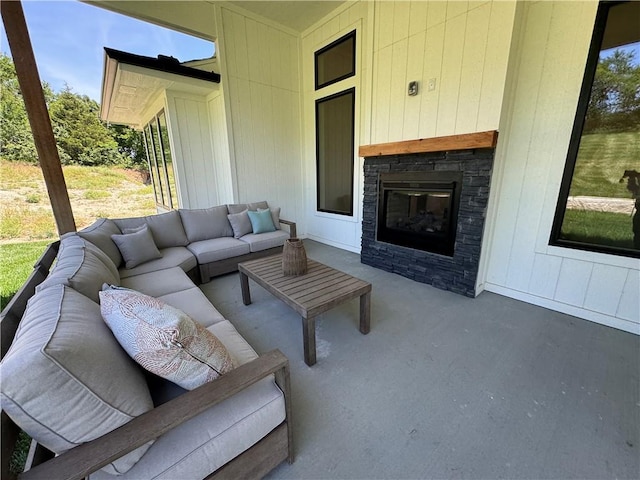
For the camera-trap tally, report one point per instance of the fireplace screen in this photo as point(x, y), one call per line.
point(419, 210)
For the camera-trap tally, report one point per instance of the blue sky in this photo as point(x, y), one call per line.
point(69, 37)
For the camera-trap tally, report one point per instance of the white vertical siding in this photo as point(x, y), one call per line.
point(261, 78)
point(463, 45)
point(190, 131)
point(220, 148)
point(540, 103)
point(340, 230)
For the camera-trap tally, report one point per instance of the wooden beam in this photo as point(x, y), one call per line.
point(31, 88)
point(464, 141)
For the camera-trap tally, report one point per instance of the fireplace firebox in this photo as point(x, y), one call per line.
point(419, 210)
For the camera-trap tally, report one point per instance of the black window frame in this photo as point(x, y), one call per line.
point(325, 49)
point(348, 91)
point(576, 137)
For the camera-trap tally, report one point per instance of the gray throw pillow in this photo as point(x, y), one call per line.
point(137, 247)
point(240, 223)
point(275, 216)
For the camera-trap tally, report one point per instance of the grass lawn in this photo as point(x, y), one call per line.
point(16, 264)
point(25, 211)
point(602, 159)
point(600, 228)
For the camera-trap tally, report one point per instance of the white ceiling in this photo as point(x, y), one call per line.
point(296, 14)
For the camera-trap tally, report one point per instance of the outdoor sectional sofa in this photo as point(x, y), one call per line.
point(70, 384)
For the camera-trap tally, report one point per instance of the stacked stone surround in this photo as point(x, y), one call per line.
point(458, 273)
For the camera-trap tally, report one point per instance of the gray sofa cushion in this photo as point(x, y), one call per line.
point(137, 247)
point(171, 257)
point(160, 282)
point(264, 241)
point(206, 223)
point(82, 266)
point(209, 440)
point(239, 207)
point(99, 233)
point(63, 348)
point(195, 304)
point(166, 228)
point(218, 249)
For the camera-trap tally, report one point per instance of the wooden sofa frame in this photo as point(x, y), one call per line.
point(80, 461)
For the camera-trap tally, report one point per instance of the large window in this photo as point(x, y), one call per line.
point(334, 143)
point(156, 140)
point(335, 125)
point(600, 192)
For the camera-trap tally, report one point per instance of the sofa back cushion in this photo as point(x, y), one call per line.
point(239, 207)
point(65, 379)
point(82, 266)
point(206, 223)
point(99, 233)
point(166, 228)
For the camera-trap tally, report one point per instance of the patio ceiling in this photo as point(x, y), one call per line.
point(298, 15)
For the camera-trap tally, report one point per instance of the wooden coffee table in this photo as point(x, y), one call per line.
point(311, 294)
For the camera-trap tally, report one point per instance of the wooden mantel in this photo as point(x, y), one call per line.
point(464, 141)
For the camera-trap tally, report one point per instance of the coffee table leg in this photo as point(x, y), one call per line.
point(365, 313)
point(309, 339)
point(244, 285)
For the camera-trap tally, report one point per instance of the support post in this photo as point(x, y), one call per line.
point(29, 81)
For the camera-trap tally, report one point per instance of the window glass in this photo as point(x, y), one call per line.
point(599, 199)
point(161, 186)
point(336, 61)
point(156, 140)
point(335, 152)
point(153, 166)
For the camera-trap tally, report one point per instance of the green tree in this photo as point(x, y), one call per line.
point(614, 104)
point(84, 139)
point(130, 146)
point(16, 140)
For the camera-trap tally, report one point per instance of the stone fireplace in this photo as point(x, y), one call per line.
point(423, 214)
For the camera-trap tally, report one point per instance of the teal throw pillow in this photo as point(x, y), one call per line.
point(261, 221)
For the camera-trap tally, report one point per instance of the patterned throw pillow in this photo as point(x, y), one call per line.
point(163, 339)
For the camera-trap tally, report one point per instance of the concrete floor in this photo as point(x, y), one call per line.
point(446, 386)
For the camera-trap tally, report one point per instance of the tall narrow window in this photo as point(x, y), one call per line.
point(156, 140)
point(600, 193)
point(335, 152)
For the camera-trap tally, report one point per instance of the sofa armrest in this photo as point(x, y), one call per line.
point(89, 457)
point(292, 227)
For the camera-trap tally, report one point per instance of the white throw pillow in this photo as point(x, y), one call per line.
point(163, 339)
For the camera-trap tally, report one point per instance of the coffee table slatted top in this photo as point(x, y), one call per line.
point(315, 292)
